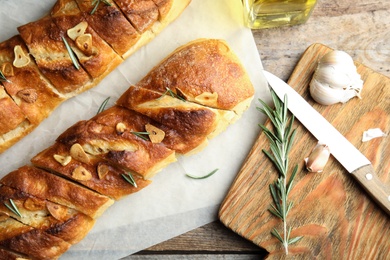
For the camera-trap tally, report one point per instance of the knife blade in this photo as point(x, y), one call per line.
point(341, 149)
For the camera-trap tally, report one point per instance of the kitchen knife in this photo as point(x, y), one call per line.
point(347, 154)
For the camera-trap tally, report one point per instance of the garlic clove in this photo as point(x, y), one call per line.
point(318, 158)
point(325, 95)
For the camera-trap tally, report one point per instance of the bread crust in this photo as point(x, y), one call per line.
point(99, 136)
point(185, 117)
point(32, 93)
point(110, 24)
point(37, 244)
point(103, 59)
point(142, 14)
point(47, 186)
point(44, 41)
point(57, 220)
point(111, 183)
point(217, 70)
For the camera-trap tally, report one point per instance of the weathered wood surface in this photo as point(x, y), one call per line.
point(359, 27)
point(336, 217)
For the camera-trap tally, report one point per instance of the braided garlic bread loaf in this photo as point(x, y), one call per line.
point(115, 153)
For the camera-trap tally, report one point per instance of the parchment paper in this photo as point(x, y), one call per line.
point(173, 203)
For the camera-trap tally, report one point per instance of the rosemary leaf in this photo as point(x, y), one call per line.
point(276, 234)
point(96, 3)
point(294, 240)
point(3, 78)
point(13, 208)
point(141, 135)
point(129, 178)
point(172, 94)
point(71, 53)
point(281, 140)
point(202, 177)
point(103, 105)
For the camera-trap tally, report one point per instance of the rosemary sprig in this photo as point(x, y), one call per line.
point(103, 105)
point(13, 208)
point(129, 178)
point(71, 53)
point(204, 176)
point(96, 3)
point(281, 140)
point(172, 94)
point(3, 78)
point(141, 135)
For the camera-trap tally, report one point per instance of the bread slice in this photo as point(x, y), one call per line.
point(44, 41)
point(185, 117)
point(34, 95)
point(96, 57)
point(217, 80)
point(47, 186)
point(57, 220)
point(111, 25)
point(37, 244)
point(103, 177)
point(142, 14)
point(114, 138)
point(33, 243)
point(9, 255)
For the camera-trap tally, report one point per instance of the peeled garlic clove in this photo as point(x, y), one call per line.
point(335, 79)
point(21, 59)
point(318, 158)
point(78, 30)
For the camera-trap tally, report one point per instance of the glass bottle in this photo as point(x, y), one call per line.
point(260, 14)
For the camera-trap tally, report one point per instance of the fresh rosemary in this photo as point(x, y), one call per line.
point(12, 207)
point(172, 94)
point(71, 53)
point(2, 77)
point(141, 135)
point(103, 105)
point(281, 140)
point(96, 3)
point(202, 177)
point(129, 178)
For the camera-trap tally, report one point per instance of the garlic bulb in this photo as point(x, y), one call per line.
point(335, 79)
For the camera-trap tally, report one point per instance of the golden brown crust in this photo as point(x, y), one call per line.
point(47, 186)
point(37, 243)
point(105, 177)
point(9, 255)
point(8, 107)
point(99, 136)
point(141, 13)
point(10, 227)
point(103, 59)
point(57, 220)
point(182, 116)
point(217, 71)
point(44, 41)
point(33, 94)
point(110, 24)
point(165, 6)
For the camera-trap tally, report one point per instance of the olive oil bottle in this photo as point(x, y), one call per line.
point(260, 14)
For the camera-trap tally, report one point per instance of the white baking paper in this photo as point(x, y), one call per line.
point(173, 203)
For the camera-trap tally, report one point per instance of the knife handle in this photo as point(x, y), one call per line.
point(367, 177)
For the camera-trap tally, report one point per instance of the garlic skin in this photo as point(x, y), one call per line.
point(318, 158)
point(335, 79)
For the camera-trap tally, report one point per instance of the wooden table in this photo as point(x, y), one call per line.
point(359, 27)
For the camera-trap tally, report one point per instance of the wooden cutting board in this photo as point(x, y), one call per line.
point(336, 217)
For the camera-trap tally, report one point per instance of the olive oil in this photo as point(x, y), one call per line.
point(274, 13)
